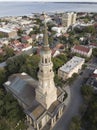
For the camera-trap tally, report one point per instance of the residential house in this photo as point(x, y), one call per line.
point(93, 45)
point(8, 33)
point(82, 50)
point(26, 39)
point(92, 81)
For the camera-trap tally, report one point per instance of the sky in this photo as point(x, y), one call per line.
point(52, 0)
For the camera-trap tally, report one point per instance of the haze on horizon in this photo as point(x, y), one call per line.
point(48, 1)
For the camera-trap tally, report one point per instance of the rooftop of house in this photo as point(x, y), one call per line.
point(82, 48)
point(95, 71)
point(26, 37)
point(70, 65)
point(93, 44)
point(6, 30)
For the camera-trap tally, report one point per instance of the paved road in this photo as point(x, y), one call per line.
point(75, 102)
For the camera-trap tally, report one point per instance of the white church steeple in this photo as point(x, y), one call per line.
point(46, 93)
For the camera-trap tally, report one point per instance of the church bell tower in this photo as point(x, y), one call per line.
point(46, 92)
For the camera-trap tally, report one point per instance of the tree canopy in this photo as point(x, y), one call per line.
point(11, 113)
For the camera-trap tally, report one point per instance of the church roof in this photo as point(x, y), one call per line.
point(59, 92)
point(23, 87)
point(54, 107)
point(36, 111)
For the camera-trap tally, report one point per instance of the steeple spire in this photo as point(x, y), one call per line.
point(45, 37)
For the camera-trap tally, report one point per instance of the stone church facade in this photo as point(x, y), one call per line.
point(43, 103)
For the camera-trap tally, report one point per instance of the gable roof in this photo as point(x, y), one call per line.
point(82, 48)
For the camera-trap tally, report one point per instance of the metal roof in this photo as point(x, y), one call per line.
point(6, 30)
point(23, 87)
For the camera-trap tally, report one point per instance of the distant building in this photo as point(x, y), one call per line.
point(68, 19)
point(93, 45)
point(92, 81)
point(82, 50)
point(71, 67)
point(8, 33)
point(47, 17)
point(27, 39)
point(58, 49)
point(58, 29)
point(42, 101)
point(4, 41)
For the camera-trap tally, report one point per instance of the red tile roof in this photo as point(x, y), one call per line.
point(26, 37)
point(59, 46)
point(16, 42)
point(82, 48)
point(53, 51)
point(94, 44)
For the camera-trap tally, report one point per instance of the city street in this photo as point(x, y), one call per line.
point(75, 102)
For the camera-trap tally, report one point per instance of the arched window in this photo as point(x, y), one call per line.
point(45, 60)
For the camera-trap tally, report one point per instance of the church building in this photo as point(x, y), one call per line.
point(42, 101)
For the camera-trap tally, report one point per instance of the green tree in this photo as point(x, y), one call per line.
point(87, 92)
point(15, 64)
point(11, 113)
point(1, 58)
point(57, 63)
point(89, 120)
point(95, 52)
point(20, 32)
point(9, 52)
point(75, 124)
point(1, 35)
point(90, 29)
point(86, 20)
point(4, 125)
point(76, 42)
point(2, 76)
